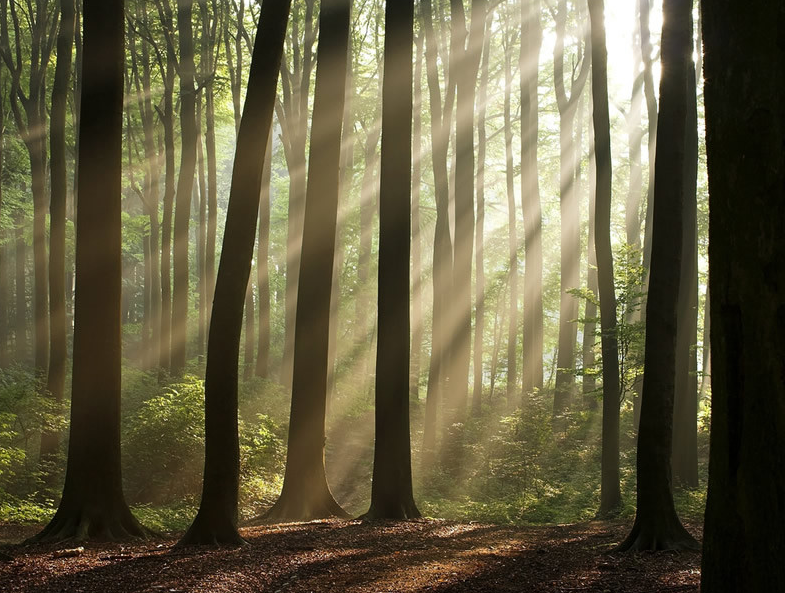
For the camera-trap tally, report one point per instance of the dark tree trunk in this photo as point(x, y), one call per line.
point(185, 182)
point(570, 214)
point(417, 276)
point(610, 494)
point(262, 270)
point(55, 381)
point(216, 521)
point(531, 41)
point(391, 492)
point(656, 525)
point(685, 404)
point(305, 493)
point(93, 506)
point(743, 540)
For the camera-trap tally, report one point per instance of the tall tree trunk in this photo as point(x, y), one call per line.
point(216, 521)
point(479, 229)
point(55, 381)
point(4, 280)
point(201, 236)
point(305, 494)
point(391, 491)
point(442, 246)
point(531, 41)
point(743, 542)
point(610, 494)
point(685, 403)
point(185, 182)
point(644, 8)
point(93, 505)
point(570, 213)
point(417, 275)
point(512, 244)
point(166, 220)
point(295, 128)
point(249, 360)
point(656, 523)
point(589, 383)
point(262, 269)
point(21, 348)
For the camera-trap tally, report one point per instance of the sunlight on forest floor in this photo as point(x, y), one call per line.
point(361, 558)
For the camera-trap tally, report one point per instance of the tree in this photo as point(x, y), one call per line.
point(685, 403)
point(185, 181)
point(391, 492)
point(569, 208)
point(93, 505)
point(610, 494)
point(531, 41)
point(29, 111)
point(55, 380)
point(656, 524)
point(305, 493)
point(743, 540)
point(216, 521)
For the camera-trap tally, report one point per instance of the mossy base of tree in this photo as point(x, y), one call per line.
point(83, 523)
point(658, 534)
point(212, 529)
point(301, 507)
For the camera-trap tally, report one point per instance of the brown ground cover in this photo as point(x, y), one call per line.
point(354, 557)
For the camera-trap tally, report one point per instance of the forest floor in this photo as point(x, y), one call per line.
point(355, 557)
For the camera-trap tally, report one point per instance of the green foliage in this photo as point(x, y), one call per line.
point(164, 444)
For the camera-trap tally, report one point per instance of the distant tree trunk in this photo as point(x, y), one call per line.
point(166, 219)
point(305, 493)
point(512, 245)
point(185, 182)
point(531, 41)
point(201, 237)
point(4, 280)
point(706, 348)
point(262, 268)
point(216, 521)
point(20, 309)
point(570, 213)
point(249, 360)
point(417, 276)
point(294, 121)
point(442, 245)
point(479, 228)
point(743, 542)
point(93, 505)
point(610, 494)
point(651, 113)
point(656, 525)
point(589, 383)
point(466, 78)
point(391, 491)
point(55, 381)
point(207, 62)
point(685, 404)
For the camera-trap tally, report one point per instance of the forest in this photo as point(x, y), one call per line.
point(433, 295)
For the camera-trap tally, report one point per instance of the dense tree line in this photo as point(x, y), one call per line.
point(317, 191)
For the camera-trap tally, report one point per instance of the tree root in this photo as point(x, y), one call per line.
point(299, 508)
point(649, 536)
point(212, 531)
point(80, 525)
